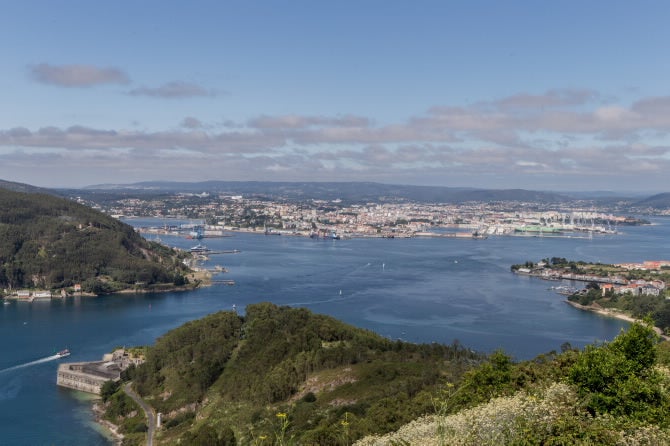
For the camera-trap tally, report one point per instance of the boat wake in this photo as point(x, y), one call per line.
point(31, 363)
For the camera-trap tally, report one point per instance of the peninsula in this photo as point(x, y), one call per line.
point(629, 291)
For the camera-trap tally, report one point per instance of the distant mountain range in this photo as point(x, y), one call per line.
point(658, 201)
point(27, 188)
point(354, 192)
point(357, 192)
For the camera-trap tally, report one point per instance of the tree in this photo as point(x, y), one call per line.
point(492, 378)
point(592, 286)
point(108, 389)
point(619, 378)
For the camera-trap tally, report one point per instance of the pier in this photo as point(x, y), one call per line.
point(224, 282)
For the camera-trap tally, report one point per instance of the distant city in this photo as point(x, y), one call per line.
point(209, 213)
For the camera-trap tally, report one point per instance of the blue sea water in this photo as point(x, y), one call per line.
point(419, 290)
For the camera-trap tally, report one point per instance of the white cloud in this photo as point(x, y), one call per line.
point(173, 90)
point(77, 75)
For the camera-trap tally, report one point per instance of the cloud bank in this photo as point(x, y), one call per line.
point(563, 139)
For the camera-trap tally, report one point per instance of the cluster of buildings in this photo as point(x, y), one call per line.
point(636, 288)
point(401, 219)
point(616, 283)
point(27, 295)
point(647, 265)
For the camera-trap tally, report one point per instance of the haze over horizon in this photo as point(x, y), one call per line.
point(562, 96)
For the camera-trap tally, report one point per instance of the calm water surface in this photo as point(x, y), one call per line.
point(420, 290)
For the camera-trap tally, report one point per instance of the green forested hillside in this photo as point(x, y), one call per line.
point(50, 242)
point(284, 376)
point(326, 380)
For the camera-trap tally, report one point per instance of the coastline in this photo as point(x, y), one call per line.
point(614, 314)
point(110, 429)
point(200, 278)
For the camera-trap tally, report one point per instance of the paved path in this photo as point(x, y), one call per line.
point(148, 411)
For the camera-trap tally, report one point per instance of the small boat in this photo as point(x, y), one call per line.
point(63, 353)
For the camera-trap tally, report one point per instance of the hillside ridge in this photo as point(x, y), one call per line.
point(48, 242)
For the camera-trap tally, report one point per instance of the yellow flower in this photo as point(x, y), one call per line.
point(281, 415)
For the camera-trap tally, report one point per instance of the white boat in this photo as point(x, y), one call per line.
point(63, 353)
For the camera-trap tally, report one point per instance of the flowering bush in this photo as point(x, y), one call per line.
point(549, 417)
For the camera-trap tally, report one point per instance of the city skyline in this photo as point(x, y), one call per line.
point(545, 96)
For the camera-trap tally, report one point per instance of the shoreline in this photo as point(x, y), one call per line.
point(203, 279)
point(110, 429)
point(615, 314)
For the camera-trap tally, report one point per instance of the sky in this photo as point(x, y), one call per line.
point(566, 95)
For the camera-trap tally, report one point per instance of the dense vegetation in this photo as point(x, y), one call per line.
point(611, 394)
point(283, 376)
point(49, 243)
point(282, 370)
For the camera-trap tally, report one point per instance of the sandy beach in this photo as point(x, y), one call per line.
point(615, 314)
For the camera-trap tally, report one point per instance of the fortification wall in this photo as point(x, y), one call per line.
point(74, 378)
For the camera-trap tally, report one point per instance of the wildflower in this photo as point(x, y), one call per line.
point(283, 426)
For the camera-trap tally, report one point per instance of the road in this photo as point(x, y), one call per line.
point(148, 411)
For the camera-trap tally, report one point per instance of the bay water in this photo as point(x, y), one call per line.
point(419, 290)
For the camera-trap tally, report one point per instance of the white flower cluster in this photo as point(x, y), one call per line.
point(645, 436)
point(504, 421)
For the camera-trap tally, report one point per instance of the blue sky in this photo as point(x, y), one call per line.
point(568, 95)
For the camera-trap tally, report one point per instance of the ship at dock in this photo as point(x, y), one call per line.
point(200, 249)
point(537, 229)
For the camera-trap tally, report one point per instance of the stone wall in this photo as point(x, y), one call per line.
point(73, 376)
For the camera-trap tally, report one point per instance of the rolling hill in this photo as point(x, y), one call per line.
point(349, 192)
point(286, 376)
point(49, 242)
